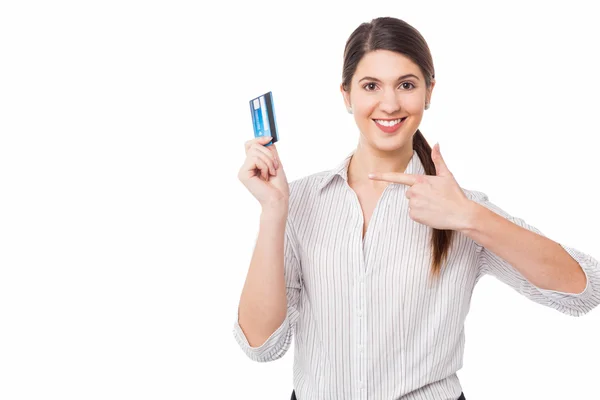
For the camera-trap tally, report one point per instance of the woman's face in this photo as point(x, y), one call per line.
point(385, 87)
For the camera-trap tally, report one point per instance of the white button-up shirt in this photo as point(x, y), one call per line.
point(366, 321)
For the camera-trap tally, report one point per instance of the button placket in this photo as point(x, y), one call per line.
point(362, 329)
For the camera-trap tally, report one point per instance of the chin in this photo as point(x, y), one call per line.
point(391, 143)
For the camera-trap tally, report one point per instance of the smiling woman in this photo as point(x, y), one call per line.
point(371, 265)
point(387, 82)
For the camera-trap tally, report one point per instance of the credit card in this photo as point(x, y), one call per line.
point(263, 117)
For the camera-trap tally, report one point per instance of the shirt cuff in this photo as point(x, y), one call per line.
point(266, 351)
point(590, 293)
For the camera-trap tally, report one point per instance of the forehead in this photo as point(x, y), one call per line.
point(386, 65)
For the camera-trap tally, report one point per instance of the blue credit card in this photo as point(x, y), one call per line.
point(263, 117)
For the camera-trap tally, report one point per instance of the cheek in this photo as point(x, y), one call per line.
point(414, 105)
point(364, 104)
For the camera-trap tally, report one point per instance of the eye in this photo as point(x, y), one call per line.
point(372, 86)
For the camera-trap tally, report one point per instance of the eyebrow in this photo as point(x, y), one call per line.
point(400, 78)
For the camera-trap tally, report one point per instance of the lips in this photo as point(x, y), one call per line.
point(390, 129)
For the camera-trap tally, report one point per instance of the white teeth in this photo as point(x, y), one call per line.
point(388, 123)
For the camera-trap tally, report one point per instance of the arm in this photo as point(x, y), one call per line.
point(267, 308)
point(520, 255)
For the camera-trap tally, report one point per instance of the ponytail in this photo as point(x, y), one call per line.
point(440, 239)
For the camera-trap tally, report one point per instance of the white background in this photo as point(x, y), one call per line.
point(126, 235)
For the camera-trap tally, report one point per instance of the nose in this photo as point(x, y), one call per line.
point(389, 102)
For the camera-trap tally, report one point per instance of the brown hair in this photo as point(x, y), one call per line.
point(387, 33)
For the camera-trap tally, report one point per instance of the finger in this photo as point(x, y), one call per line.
point(441, 169)
point(273, 150)
point(260, 140)
point(255, 166)
point(395, 177)
point(262, 167)
point(265, 150)
point(267, 158)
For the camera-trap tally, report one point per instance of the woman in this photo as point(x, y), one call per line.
point(371, 266)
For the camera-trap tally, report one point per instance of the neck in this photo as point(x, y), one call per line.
point(367, 159)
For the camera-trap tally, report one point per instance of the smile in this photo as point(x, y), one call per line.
point(389, 126)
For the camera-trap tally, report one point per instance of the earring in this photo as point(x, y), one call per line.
point(427, 106)
point(349, 110)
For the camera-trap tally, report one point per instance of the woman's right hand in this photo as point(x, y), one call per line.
point(263, 175)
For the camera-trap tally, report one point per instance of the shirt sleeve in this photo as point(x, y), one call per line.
point(573, 304)
point(279, 342)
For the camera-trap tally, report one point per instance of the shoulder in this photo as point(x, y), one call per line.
point(304, 193)
point(306, 185)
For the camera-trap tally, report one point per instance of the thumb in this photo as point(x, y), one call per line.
point(441, 168)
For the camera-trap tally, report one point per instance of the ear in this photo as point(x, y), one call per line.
point(430, 90)
point(346, 96)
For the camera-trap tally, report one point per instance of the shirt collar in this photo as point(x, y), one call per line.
point(414, 167)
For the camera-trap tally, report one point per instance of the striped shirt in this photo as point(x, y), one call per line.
point(366, 323)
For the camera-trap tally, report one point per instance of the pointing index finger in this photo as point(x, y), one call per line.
point(396, 177)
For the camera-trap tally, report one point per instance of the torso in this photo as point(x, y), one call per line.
point(368, 199)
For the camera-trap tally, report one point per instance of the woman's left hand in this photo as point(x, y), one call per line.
point(436, 201)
